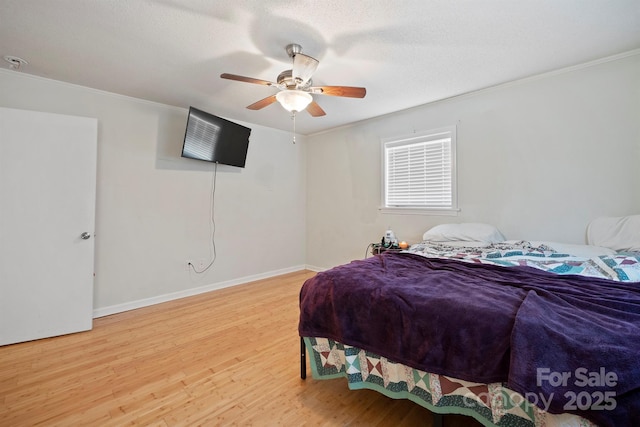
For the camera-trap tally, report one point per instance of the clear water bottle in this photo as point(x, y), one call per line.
point(390, 238)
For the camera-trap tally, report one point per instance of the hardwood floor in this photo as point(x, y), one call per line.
point(228, 357)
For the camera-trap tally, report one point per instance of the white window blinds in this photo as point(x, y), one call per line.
point(419, 172)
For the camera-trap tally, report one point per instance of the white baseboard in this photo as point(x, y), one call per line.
point(314, 268)
point(132, 305)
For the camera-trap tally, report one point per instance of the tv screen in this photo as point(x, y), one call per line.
point(214, 139)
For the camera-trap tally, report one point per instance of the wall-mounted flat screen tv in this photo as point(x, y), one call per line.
point(214, 139)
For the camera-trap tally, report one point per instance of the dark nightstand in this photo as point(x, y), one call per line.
point(377, 248)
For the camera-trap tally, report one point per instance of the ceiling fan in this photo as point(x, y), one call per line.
point(296, 86)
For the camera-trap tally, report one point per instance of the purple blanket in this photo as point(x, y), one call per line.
point(567, 343)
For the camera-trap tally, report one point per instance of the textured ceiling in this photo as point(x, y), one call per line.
point(406, 53)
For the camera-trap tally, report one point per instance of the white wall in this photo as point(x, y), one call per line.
point(539, 158)
point(153, 206)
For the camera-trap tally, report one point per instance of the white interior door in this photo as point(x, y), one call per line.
point(47, 202)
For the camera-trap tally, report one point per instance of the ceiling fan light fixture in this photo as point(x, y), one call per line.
point(294, 100)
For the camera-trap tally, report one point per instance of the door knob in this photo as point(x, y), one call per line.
point(85, 236)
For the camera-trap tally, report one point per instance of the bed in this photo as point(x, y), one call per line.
point(512, 333)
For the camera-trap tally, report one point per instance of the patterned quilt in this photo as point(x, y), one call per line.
point(623, 267)
point(491, 404)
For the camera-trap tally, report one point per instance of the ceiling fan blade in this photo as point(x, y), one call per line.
point(246, 79)
point(348, 91)
point(303, 68)
point(262, 103)
point(315, 110)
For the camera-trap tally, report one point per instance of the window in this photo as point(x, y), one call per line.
point(419, 173)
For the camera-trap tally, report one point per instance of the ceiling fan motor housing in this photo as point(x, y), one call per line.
point(285, 79)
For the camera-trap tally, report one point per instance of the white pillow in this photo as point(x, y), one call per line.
point(465, 232)
point(617, 233)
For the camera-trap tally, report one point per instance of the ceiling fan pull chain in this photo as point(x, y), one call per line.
point(293, 117)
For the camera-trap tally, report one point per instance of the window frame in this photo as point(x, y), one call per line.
point(415, 138)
